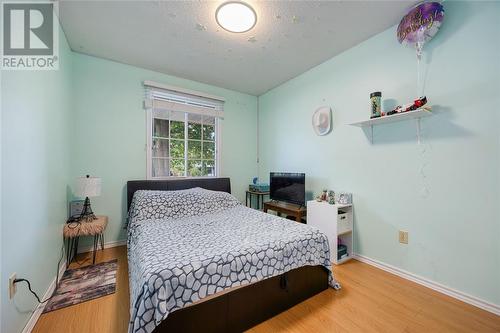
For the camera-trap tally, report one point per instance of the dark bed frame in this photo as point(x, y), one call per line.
point(242, 308)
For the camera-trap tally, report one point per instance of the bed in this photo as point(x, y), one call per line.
point(201, 261)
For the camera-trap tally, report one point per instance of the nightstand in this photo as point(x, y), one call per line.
point(260, 198)
point(74, 230)
point(336, 221)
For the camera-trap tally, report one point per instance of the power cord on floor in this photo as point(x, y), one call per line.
point(57, 279)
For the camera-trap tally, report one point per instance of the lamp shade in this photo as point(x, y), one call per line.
point(88, 187)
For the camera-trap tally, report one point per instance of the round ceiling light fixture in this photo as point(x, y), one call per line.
point(236, 16)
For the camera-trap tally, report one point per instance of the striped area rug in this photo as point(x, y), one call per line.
point(84, 284)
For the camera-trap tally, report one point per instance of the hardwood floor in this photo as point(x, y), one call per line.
point(106, 314)
point(371, 300)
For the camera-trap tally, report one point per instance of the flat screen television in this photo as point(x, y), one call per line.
point(288, 187)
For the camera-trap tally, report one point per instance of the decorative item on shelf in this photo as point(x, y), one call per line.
point(258, 187)
point(75, 208)
point(324, 195)
point(417, 104)
point(262, 187)
point(375, 100)
point(344, 198)
point(322, 120)
point(331, 197)
point(342, 251)
point(87, 187)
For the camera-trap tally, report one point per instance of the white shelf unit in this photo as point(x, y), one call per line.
point(336, 221)
point(416, 114)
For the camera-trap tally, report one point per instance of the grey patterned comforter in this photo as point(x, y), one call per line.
point(186, 245)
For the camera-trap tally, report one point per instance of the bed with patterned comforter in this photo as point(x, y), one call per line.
point(186, 245)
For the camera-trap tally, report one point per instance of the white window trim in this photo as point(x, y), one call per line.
point(182, 90)
point(149, 146)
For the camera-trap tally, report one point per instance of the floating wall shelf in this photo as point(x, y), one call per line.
point(417, 115)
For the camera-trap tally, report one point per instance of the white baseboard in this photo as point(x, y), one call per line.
point(107, 245)
point(39, 309)
point(490, 307)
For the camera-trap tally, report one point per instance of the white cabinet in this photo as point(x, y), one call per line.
point(336, 222)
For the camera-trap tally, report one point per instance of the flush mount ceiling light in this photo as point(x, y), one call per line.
point(236, 16)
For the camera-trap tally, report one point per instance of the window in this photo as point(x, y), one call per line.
point(183, 134)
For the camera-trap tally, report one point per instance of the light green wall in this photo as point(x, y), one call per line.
point(85, 118)
point(109, 131)
point(454, 230)
point(88, 118)
point(36, 141)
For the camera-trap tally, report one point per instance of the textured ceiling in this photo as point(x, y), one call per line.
point(183, 39)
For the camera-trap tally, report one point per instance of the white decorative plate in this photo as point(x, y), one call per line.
point(322, 120)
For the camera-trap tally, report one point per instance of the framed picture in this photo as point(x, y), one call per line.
point(75, 208)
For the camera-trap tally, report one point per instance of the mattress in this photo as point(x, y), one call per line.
point(186, 246)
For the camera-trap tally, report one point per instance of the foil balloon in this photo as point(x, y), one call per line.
point(420, 24)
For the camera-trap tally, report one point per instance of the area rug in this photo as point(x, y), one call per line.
point(83, 284)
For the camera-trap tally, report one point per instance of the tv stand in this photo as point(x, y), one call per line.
point(297, 211)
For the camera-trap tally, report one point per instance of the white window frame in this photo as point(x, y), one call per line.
point(149, 144)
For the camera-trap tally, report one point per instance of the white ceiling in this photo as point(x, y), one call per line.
point(181, 38)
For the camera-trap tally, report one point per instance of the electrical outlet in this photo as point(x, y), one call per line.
point(403, 237)
point(12, 286)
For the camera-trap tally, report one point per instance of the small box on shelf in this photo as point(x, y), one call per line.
point(344, 240)
point(341, 251)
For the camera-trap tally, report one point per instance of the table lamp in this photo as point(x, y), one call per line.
point(87, 187)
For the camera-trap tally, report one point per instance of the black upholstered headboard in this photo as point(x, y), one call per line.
point(214, 184)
